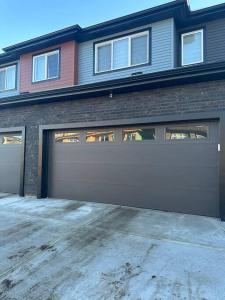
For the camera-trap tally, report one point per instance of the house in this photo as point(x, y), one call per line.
point(129, 112)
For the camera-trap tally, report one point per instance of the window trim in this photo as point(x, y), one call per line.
point(202, 47)
point(45, 54)
point(5, 68)
point(123, 37)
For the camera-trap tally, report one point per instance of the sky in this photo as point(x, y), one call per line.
point(25, 19)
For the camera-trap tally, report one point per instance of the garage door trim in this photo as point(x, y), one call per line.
point(191, 117)
point(22, 130)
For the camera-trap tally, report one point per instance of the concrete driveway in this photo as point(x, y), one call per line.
point(61, 249)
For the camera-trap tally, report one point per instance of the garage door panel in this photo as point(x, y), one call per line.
point(183, 154)
point(167, 156)
point(160, 154)
point(158, 174)
point(133, 196)
point(10, 155)
point(182, 201)
point(186, 176)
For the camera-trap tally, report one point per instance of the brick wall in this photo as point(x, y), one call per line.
point(200, 97)
point(68, 69)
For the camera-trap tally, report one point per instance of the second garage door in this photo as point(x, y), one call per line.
point(171, 167)
point(10, 162)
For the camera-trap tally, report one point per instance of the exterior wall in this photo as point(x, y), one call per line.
point(214, 42)
point(68, 69)
point(162, 44)
point(176, 48)
point(215, 32)
point(16, 91)
point(199, 97)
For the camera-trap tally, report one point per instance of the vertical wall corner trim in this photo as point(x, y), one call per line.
point(222, 166)
point(22, 160)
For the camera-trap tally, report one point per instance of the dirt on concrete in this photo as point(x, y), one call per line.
point(63, 250)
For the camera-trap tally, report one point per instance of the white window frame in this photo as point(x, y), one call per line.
point(46, 65)
point(111, 42)
point(202, 47)
point(5, 69)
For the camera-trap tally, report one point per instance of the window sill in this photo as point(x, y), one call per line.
point(192, 64)
point(8, 91)
point(123, 69)
point(45, 80)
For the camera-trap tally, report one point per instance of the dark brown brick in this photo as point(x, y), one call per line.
point(201, 97)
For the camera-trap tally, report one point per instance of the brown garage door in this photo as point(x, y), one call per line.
point(172, 168)
point(10, 156)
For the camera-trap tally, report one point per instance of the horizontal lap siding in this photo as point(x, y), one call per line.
point(216, 40)
point(162, 54)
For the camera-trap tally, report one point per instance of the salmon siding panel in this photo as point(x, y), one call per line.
point(68, 69)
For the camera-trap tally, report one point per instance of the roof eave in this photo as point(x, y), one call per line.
point(44, 41)
point(6, 58)
point(203, 15)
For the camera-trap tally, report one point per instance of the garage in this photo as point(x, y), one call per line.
point(11, 147)
point(171, 167)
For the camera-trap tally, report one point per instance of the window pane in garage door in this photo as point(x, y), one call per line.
point(67, 137)
point(138, 134)
point(10, 139)
point(183, 132)
point(100, 136)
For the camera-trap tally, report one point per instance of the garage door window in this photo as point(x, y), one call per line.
point(192, 132)
point(11, 139)
point(138, 134)
point(100, 136)
point(67, 137)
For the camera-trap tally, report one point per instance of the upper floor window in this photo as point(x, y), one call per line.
point(46, 66)
point(7, 78)
point(192, 47)
point(123, 52)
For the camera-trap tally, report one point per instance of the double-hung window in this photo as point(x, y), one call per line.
point(128, 51)
point(192, 45)
point(46, 66)
point(7, 78)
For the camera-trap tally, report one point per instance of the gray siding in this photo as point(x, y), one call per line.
point(162, 54)
point(12, 92)
point(215, 32)
point(214, 40)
